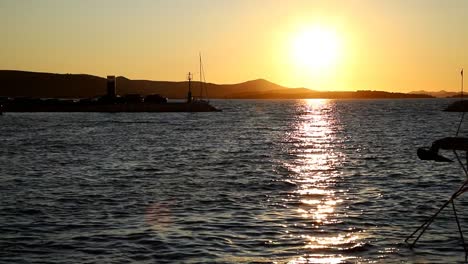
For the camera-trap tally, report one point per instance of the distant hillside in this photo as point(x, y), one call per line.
point(179, 89)
point(299, 93)
point(441, 94)
point(34, 84)
point(50, 85)
point(458, 95)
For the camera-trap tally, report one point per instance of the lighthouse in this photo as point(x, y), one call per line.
point(111, 86)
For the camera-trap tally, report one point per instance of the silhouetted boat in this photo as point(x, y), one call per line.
point(458, 106)
point(453, 144)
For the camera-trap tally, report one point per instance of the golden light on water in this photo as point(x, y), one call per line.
point(325, 242)
point(158, 217)
point(316, 173)
point(319, 259)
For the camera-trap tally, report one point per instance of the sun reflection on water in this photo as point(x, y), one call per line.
point(318, 259)
point(314, 146)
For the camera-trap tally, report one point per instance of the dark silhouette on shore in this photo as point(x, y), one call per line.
point(110, 102)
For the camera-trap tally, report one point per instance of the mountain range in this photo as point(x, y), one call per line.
point(51, 85)
point(441, 94)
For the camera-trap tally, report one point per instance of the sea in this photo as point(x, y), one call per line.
point(263, 181)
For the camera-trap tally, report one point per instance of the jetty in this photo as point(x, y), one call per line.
point(111, 102)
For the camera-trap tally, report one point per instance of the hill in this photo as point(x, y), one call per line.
point(51, 85)
point(441, 94)
point(302, 93)
point(34, 84)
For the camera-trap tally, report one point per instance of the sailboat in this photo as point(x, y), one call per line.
point(202, 98)
point(201, 101)
point(454, 144)
point(458, 106)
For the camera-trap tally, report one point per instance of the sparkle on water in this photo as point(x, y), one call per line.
point(283, 181)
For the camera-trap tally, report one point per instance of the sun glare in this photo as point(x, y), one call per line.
point(316, 48)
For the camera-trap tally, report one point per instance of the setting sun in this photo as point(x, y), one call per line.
point(233, 131)
point(316, 48)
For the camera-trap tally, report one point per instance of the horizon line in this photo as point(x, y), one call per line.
point(258, 79)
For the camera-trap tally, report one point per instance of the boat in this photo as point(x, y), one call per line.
point(113, 103)
point(458, 106)
point(455, 144)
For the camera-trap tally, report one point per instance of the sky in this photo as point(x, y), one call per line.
point(394, 45)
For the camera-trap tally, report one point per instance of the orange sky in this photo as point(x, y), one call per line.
point(390, 45)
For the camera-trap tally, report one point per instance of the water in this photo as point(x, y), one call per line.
point(298, 181)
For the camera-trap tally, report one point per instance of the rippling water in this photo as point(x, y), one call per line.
point(298, 181)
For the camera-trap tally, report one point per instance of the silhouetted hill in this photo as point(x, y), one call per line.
point(50, 85)
point(179, 89)
point(35, 84)
point(301, 93)
point(441, 93)
point(458, 95)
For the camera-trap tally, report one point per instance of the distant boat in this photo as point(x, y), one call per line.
point(458, 106)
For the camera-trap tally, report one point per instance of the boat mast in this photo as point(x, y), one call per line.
point(203, 87)
point(462, 84)
point(463, 114)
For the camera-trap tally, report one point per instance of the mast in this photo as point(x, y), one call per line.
point(463, 113)
point(202, 81)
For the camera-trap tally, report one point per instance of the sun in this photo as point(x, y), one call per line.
point(316, 48)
